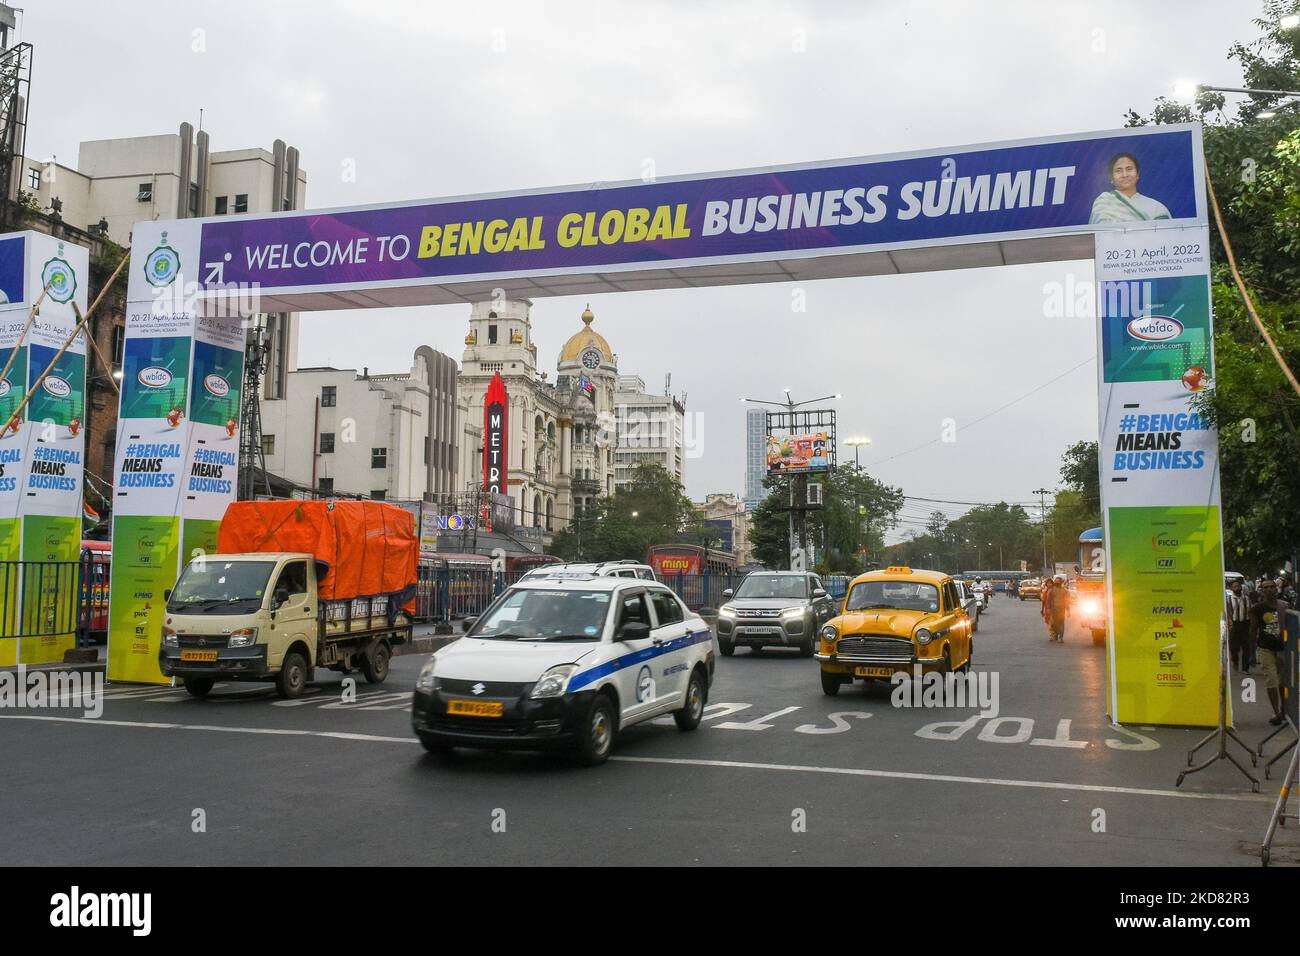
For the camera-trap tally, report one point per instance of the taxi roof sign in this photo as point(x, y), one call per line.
point(898, 569)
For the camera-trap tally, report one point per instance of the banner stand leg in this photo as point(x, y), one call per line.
point(1281, 753)
point(1279, 815)
point(1223, 732)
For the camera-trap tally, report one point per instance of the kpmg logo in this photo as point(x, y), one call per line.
point(154, 377)
point(1155, 328)
point(1163, 609)
point(163, 264)
point(56, 386)
point(217, 385)
point(58, 278)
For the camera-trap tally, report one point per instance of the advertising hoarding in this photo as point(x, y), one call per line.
point(798, 454)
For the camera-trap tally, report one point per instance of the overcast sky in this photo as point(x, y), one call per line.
point(435, 99)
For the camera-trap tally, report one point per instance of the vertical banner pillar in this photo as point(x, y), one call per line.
point(42, 448)
point(177, 439)
point(1159, 463)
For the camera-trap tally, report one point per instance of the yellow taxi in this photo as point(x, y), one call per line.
point(893, 620)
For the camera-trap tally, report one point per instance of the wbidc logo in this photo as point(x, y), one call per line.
point(1155, 328)
point(58, 277)
point(154, 377)
point(75, 909)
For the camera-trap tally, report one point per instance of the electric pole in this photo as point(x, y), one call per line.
point(1042, 517)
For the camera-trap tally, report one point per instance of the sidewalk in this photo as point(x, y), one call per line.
point(423, 641)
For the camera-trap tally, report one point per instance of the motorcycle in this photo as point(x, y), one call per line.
point(984, 598)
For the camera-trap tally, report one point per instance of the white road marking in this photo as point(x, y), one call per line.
point(758, 723)
point(838, 723)
point(677, 761)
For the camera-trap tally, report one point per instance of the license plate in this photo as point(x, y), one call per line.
point(759, 630)
point(476, 708)
point(208, 656)
point(873, 671)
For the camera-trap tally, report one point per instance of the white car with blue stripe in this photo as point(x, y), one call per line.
point(565, 663)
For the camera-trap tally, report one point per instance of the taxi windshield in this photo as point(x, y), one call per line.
point(526, 614)
point(773, 586)
point(893, 595)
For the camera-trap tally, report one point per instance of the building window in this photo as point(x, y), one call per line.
point(379, 458)
point(144, 192)
point(325, 486)
point(221, 205)
point(33, 179)
point(241, 202)
point(378, 495)
point(326, 443)
point(268, 444)
point(492, 335)
point(119, 346)
point(194, 199)
point(328, 396)
point(427, 449)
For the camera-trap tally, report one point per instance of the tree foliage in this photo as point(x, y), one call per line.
point(651, 510)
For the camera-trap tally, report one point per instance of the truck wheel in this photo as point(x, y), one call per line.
point(830, 684)
point(689, 717)
point(596, 736)
point(375, 664)
point(199, 686)
point(292, 679)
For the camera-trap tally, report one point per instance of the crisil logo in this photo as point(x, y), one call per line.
point(56, 386)
point(217, 385)
point(1155, 328)
point(154, 377)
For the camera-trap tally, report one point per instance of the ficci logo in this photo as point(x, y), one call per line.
point(1163, 542)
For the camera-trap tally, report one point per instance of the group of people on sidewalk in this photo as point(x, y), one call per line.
point(1255, 622)
point(1056, 606)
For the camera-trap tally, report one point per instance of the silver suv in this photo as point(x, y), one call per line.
point(774, 609)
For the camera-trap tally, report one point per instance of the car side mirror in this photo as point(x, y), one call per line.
point(819, 593)
point(466, 624)
point(728, 594)
point(167, 595)
point(634, 631)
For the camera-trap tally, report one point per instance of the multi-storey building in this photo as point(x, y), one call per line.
point(650, 429)
point(755, 456)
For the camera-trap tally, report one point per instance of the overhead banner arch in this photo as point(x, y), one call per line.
point(1007, 203)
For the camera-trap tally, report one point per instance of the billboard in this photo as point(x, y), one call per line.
point(667, 562)
point(798, 454)
point(496, 435)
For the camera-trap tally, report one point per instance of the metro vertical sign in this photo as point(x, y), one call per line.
point(496, 408)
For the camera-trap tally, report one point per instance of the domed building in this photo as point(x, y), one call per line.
point(561, 435)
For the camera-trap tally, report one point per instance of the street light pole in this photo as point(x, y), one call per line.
point(1042, 519)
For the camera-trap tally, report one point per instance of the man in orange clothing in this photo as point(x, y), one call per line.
point(1058, 609)
point(1045, 596)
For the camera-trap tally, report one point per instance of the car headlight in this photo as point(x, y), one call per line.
point(923, 636)
point(1091, 607)
point(244, 637)
point(553, 682)
point(726, 611)
point(169, 637)
point(830, 633)
point(424, 683)
point(792, 612)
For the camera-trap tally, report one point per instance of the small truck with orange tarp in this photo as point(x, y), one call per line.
point(294, 585)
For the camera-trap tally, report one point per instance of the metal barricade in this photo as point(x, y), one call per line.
point(40, 599)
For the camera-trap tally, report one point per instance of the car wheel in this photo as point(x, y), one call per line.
point(689, 717)
point(292, 679)
point(596, 738)
point(199, 686)
point(970, 659)
point(945, 665)
point(806, 648)
point(375, 664)
point(727, 648)
point(830, 684)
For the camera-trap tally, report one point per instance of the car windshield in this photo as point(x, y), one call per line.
point(525, 614)
point(894, 595)
point(773, 586)
point(222, 587)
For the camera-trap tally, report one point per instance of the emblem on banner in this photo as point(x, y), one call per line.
point(59, 278)
point(163, 264)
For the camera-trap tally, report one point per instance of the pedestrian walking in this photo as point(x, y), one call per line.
point(1240, 649)
point(1266, 620)
point(1045, 596)
point(1060, 608)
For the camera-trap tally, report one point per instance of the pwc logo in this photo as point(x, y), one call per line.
point(1155, 328)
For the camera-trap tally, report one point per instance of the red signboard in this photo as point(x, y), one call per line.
point(669, 564)
point(496, 412)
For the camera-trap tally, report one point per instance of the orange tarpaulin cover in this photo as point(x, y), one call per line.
point(371, 547)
